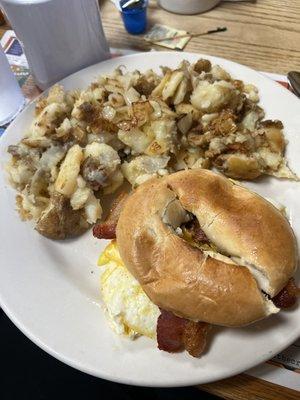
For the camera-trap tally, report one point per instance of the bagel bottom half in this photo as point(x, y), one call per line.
point(195, 284)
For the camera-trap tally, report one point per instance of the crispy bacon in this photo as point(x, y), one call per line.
point(107, 229)
point(287, 297)
point(176, 334)
point(170, 330)
point(195, 336)
point(193, 227)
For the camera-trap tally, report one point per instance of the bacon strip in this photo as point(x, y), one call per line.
point(107, 229)
point(176, 334)
point(195, 337)
point(169, 331)
point(193, 227)
point(287, 297)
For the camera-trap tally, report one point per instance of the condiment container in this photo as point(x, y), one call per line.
point(59, 37)
point(134, 16)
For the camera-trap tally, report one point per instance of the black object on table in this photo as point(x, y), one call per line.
point(28, 373)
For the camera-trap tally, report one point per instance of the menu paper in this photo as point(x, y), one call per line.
point(284, 368)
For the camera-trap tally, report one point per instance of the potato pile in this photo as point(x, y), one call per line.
point(132, 126)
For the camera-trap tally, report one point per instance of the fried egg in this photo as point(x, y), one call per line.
point(129, 310)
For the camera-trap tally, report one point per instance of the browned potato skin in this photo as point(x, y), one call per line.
point(202, 65)
point(274, 135)
point(59, 221)
point(236, 167)
point(143, 86)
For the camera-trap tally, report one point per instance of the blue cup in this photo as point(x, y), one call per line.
point(135, 16)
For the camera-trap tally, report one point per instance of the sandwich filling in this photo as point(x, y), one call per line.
point(132, 313)
point(195, 236)
point(187, 226)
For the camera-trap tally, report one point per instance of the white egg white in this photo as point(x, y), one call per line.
point(130, 312)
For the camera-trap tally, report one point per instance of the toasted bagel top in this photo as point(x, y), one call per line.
point(256, 247)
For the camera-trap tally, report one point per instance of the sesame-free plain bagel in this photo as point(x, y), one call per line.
point(253, 251)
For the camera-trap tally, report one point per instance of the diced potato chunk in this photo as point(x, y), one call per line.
point(211, 97)
point(239, 166)
point(66, 181)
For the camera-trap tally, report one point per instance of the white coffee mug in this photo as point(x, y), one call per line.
point(188, 6)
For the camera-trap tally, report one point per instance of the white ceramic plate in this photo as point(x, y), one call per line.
point(50, 289)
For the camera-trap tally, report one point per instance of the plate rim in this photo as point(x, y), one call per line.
point(77, 364)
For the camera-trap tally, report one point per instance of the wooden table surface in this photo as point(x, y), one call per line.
point(263, 35)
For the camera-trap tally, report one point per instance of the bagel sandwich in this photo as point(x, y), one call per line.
point(206, 251)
